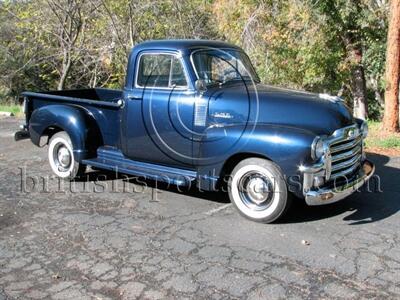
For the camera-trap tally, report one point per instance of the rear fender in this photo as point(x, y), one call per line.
point(75, 120)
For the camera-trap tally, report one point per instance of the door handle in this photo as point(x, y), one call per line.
point(132, 97)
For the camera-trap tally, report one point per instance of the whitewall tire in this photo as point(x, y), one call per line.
point(61, 157)
point(258, 190)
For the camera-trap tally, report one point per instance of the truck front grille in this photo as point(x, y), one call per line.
point(346, 152)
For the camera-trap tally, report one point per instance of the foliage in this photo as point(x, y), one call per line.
point(15, 109)
point(376, 139)
point(286, 42)
point(292, 43)
point(306, 44)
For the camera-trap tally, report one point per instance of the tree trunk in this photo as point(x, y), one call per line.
point(359, 92)
point(358, 85)
point(66, 66)
point(352, 42)
point(375, 86)
point(63, 77)
point(391, 113)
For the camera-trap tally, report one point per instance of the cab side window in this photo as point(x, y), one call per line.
point(160, 71)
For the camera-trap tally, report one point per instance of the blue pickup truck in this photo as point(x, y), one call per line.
point(193, 112)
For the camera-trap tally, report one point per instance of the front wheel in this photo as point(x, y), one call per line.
point(61, 157)
point(258, 190)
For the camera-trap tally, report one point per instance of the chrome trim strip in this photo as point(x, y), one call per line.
point(346, 155)
point(344, 172)
point(327, 158)
point(312, 169)
point(346, 146)
point(347, 163)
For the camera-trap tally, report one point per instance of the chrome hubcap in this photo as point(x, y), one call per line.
point(256, 190)
point(62, 157)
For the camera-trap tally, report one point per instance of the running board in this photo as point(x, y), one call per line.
point(111, 158)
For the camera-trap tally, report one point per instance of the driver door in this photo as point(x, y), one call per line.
point(159, 113)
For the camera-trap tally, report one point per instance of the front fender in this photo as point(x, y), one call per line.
point(287, 146)
point(76, 121)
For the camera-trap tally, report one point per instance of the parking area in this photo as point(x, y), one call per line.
point(107, 238)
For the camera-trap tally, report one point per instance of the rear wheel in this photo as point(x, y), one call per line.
point(258, 190)
point(61, 157)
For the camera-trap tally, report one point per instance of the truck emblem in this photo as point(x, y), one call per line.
point(351, 133)
point(223, 115)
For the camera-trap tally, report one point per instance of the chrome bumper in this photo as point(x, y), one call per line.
point(322, 196)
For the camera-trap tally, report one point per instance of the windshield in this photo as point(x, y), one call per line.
point(223, 65)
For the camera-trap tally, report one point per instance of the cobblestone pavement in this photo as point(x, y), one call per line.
point(96, 241)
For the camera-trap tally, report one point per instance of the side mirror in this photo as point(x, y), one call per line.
point(200, 86)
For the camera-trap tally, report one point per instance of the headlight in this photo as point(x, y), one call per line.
point(364, 129)
point(317, 148)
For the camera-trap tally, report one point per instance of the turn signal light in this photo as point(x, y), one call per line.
point(326, 196)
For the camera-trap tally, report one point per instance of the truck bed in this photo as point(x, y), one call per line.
point(101, 103)
point(95, 96)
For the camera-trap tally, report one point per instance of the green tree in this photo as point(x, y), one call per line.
point(330, 46)
point(333, 46)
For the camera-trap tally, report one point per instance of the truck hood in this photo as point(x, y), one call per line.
point(278, 106)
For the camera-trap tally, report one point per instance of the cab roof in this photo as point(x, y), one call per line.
point(181, 45)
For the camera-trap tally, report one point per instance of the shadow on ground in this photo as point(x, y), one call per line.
point(104, 175)
point(371, 204)
point(378, 202)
